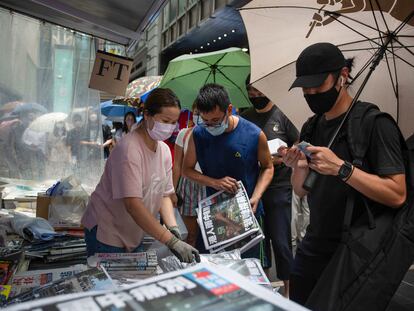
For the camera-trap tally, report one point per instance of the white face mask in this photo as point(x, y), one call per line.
point(161, 131)
point(93, 118)
point(195, 119)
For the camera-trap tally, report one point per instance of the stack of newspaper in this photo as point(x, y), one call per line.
point(58, 250)
point(126, 268)
point(197, 288)
point(145, 262)
point(25, 281)
point(227, 222)
point(249, 268)
point(94, 279)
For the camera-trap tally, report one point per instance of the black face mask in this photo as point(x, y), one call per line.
point(259, 102)
point(321, 103)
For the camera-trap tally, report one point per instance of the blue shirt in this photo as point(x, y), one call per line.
point(232, 154)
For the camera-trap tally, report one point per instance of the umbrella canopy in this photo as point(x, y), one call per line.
point(22, 108)
point(9, 107)
point(46, 122)
point(115, 112)
point(186, 74)
point(279, 30)
point(142, 85)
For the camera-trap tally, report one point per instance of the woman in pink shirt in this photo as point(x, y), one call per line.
point(136, 185)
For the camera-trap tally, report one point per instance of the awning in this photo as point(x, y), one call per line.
point(114, 20)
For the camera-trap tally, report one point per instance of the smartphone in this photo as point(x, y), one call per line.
point(302, 147)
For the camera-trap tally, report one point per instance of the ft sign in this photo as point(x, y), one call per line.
point(110, 73)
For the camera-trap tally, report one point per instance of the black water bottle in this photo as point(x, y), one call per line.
point(310, 180)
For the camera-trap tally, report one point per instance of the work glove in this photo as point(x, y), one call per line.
point(175, 230)
point(183, 251)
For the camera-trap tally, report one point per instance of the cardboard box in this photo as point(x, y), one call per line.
point(42, 205)
point(42, 208)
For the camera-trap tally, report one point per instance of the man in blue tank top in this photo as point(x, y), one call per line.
point(228, 148)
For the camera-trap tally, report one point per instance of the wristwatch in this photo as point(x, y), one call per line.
point(345, 170)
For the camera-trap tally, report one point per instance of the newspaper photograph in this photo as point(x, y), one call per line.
point(244, 244)
point(94, 279)
point(198, 288)
point(225, 218)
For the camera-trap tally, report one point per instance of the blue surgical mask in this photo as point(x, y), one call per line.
point(218, 130)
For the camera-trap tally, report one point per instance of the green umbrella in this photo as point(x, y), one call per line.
point(186, 74)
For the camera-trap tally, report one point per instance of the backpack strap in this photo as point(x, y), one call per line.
point(361, 123)
point(359, 132)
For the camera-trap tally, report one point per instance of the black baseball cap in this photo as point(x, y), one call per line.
point(315, 63)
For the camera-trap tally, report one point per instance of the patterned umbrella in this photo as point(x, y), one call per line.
point(142, 85)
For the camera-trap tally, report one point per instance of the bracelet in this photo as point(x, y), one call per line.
point(350, 174)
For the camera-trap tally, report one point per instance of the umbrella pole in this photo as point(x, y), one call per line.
point(313, 175)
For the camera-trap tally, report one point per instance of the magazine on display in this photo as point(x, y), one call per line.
point(94, 279)
point(225, 218)
point(198, 288)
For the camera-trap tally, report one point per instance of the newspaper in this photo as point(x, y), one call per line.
point(275, 144)
point(127, 268)
point(94, 279)
point(225, 218)
point(197, 288)
point(28, 280)
point(250, 268)
point(244, 244)
point(143, 259)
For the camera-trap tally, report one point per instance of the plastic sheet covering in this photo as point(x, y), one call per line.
point(32, 228)
point(50, 122)
point(68, 205)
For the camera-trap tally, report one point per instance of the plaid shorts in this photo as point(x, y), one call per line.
point(191, 193)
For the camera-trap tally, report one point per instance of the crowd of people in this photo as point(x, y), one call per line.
point(219, 149)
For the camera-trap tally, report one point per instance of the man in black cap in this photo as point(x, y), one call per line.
point(322, 73)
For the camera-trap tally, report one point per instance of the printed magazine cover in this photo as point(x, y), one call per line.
point(225, 218)
point(198, 288)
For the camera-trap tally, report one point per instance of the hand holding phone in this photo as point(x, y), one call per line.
point(302, 146)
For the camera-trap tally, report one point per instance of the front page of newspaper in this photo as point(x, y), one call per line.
point(198, 288)
point(225, 218)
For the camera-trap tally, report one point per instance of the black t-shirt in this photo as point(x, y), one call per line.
point(275, 124)
point(327, 200)
point(73, 140)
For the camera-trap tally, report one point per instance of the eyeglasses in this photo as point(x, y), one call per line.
point(201, 122)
